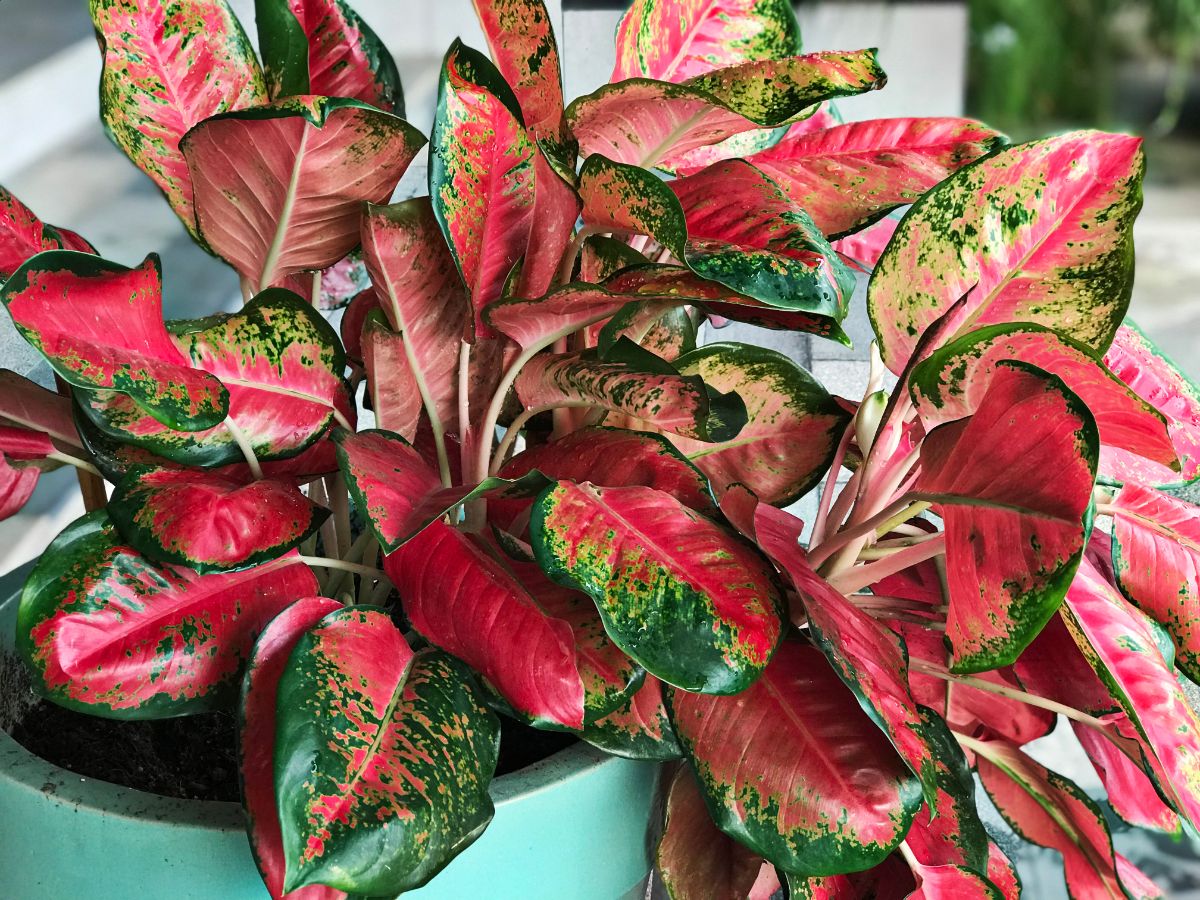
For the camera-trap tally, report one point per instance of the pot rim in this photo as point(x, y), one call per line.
point(24, 770)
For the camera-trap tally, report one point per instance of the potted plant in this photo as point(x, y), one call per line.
point(568, 514)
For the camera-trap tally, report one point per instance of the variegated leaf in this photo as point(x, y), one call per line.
point(481, 174)
point(638, 729)
point(279, 189)
point(22, 235)
point(1039, 232)
point(322, 47)
point(111, 634)
point(384, 757)
point(644, 557)
point(168, 65)
point(840, 800)
point(624, 198)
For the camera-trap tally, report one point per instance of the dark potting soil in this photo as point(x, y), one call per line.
point(195, 757)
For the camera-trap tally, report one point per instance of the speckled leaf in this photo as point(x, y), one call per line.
point(211, 522)
point(1135, 359)
point(694, 859)
point(279, 189)
point(537, 323)
point(792, 429)
point(27, 405)
point(169, 64)
point(627, 199)
point(100, 326)
point(109, 633)
point(1129, 790)
point(952, 380)
point(1039, 232)
point(22, 235)
point(674, 40)
point(481, 174)
point(463, 598)
point(664, 328)
point(1013, 536)
point(839, 800)
point(1047, 809)
point(602, 257)
point(748, 235)
point(520, 36)
point(400, 493)
point(639, 729)
point(646, 122)
point(383, 757)
point(323, 47)
point(607, 457)
point(689, 601)
point(869, 659)
point(1002, 873)
point(848, 176)
point(426, 305)
point(750, 142)
point(677, 404)
point(256, 745)
point(1156, 556)
point(1122, 647)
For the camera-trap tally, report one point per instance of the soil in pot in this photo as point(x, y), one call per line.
point(191, 758)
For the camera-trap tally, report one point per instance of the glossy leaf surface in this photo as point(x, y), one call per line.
point(210, 522)
point(1013, 537)
point(1129, 790)
point(840, 800)
point(22, 235)
point(260, 687)
point(279, 189)
point(638, 729)
point(690, 602)
point(465, 600)
point(169, 64)
point(792, 429)
point(481, 174)
point(323, 47)
point(1039, 232)
point(27, 405)
point(673, 40)
point(384, 757)
point(109, 633)
point(624, 198)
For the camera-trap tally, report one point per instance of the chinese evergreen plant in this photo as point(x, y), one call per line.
point(573, 511)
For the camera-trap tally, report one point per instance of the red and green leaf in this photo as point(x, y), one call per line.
point(322, 47)
point(520, 36)
point(1039, 232)
point(1046, 809)
point(694, 859)
point(279, 189)
point(481, 174)
point(648, 123)
point(638, 729)
point(465, 600)
point(1123, 648)
point(110, 633)
point(1135, 360)
point(792, 429)
point(282, 365)
point(538, 323)
point(100, 327)
point(749, 236)
point(22, 235)
point(1002, 873)
point(210, 522)
point(952, 883)
point(848, 176)
point(950, 383)
point(601, 257)
point(27, 405)
point(839, 800)
point(384, 757)
point(690, 602)
point(869, 659)
point(168, 65)
point(426, 305)
point(627, 199)
point(677, 404)
point(673, 40)
point(1013, 537)
point(1131, 792)
point(1156, 558)
point(260, 688)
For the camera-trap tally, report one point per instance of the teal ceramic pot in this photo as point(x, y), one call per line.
point(573, 827)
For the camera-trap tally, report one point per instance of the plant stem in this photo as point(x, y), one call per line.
point(858, 577)
point(83, 466)
point(826, 549)
point(316, 288)
point(818, 532)
point(244, 445)
point(370, 558)
point(465, 432)
point(1025, 697)
point(247, 290)
point(520, 422)
point(325, 562)
point(339, 502)
point(884, 549)
point(497, 404)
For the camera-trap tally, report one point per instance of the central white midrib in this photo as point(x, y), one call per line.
point(285, 215)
